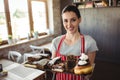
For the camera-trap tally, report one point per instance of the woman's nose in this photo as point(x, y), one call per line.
point(69, 23)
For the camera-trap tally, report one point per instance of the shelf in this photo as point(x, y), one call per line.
point(85, 4)
point(96, 3)
point(91, 4)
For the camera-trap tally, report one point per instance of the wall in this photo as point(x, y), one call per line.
point(104, 25)
point(54, 16)
point(23, 46)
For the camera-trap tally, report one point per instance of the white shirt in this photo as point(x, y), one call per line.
point(75, 49)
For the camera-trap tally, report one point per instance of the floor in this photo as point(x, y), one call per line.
point(106, 71)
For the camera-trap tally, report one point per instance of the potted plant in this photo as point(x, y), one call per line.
point(10, 40)
point(35, 34)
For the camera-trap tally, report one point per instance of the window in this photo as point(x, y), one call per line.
point(3, 25)
point(20, 17)
point(39, 16)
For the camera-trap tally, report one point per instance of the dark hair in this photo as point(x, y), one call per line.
point(72, 8)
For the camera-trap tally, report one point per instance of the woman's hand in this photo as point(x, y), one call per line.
point(88, 76)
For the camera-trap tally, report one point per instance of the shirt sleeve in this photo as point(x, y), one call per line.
point(92, 46)
point(53, 46)
point(55, 43)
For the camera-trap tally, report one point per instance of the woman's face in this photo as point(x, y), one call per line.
point(70, 22)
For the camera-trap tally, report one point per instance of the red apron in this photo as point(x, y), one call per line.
point(67, 76)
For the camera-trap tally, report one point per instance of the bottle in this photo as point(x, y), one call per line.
point(0, 39)
point(28, 36)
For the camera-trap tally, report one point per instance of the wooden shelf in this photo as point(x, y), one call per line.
point(96, 4)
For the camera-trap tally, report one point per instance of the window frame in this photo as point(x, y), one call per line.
point(8, 20)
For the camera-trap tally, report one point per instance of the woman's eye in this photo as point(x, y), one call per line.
point(73, 20)
point(65, 20)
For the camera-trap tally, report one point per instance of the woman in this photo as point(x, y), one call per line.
point(73, 42)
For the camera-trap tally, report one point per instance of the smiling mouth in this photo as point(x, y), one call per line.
point(71, 28)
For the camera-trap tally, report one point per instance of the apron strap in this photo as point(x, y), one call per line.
point(59, 45)
point(82, 44)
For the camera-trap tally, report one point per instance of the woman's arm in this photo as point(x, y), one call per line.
point(53, 55)
point(91, 56)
